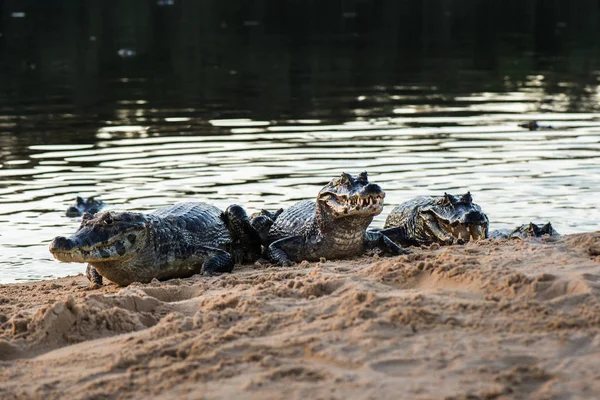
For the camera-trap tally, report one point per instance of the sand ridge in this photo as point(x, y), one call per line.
point(492, 319)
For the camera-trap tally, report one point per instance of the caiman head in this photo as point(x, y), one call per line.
point(90, 205)
point(105, 237)
point(452, 219)
point(349, 197)
point(533, 230)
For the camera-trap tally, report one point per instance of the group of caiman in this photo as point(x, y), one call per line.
point(190, 238)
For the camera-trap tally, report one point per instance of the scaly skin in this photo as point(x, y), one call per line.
point(334, 226)
point(171, 242)
point(443, 219)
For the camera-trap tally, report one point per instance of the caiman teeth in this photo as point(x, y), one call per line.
point(477, 232)
point(357, 202)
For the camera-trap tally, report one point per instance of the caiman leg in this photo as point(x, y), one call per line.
point(397, 235)
point(374, 239)
point(246, 240)
point(93, 276)
point(261, 225)
point(302, 248)
point(236, 220)
point(218, 260)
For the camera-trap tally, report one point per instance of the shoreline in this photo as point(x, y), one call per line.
point(495, 318)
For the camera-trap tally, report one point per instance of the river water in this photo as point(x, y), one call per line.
point(145, 134)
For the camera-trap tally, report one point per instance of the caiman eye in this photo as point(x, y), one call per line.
point(87, 216)
point(364, 177)
point(345, 179)
point(108, 219)
point(447, 200)
point(466, 198)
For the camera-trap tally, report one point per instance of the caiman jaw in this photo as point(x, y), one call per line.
point(467, 232)
point(116, 248)
point(344, 205)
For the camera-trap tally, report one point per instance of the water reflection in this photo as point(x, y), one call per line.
point(515, 174)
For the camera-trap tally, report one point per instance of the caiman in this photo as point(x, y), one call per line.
point(333, 226)
point(83, 205)
point(530, 230)
point(534, 126)
point(171, 242)
point(443, 219)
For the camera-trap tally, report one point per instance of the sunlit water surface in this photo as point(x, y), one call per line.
point(148, 157)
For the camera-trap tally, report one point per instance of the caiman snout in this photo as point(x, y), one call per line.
point(372, 189)
point(60, 243)
point(474, 217)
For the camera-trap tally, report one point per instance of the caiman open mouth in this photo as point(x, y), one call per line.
point(344, 205)
point(465, 232)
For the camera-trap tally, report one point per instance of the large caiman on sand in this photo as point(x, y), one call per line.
point(333, 226)
point(171, 242)
point(443, 219)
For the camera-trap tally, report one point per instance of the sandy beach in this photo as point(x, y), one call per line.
point(505, 319)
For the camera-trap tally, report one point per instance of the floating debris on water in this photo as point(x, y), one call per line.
point(125, 53)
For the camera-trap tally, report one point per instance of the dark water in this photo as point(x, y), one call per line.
point(147, 103)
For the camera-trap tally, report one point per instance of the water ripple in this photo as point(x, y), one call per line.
point(473, 143)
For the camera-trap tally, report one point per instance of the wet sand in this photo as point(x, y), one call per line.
point(506, 319)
